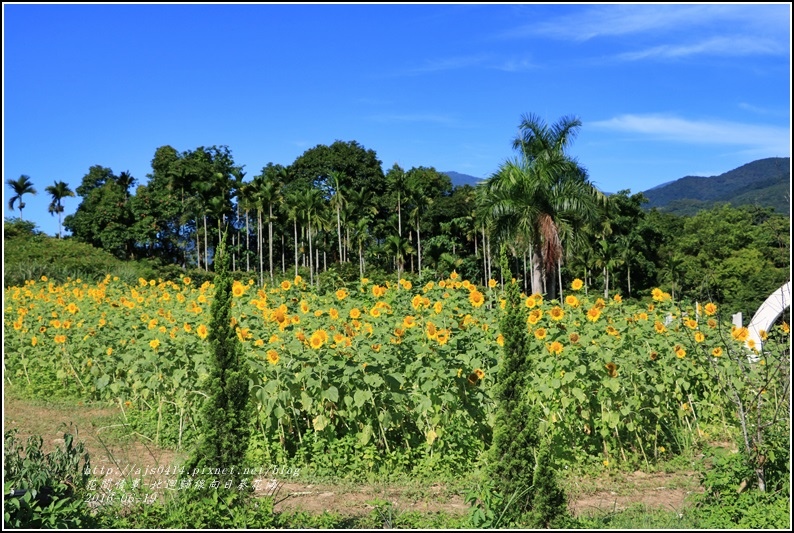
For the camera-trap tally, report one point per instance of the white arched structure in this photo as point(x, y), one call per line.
point(770, 310)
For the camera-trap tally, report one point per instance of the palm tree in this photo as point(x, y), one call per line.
point(246, 202)
point(21, 186)
point(125, 180)
point(311, 204)
point(398, 176)
point(59, 190)
point(337, 202)
point(420, 201)
point(399, 248)
point(292, 204)
point(536, 193)
point(673, 266)
point(361, 235)
point(268, 193)
point(627, 251)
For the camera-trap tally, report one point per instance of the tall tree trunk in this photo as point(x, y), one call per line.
point(198, 247)
point(247, 247)
point(270, 240)
point(537, 271)
point(339, 233)
point(260, 242)
point(559, 277)
point(311, 268)
point(628, 275)
point(347, 244)
point(484, 259)
point(295, 222)
point(399, 216)
point(586, 280)
point(206, 247)
point(411, 240)
point(606, 283)
point(361, 259)
point(419, 249)
point(487, 246)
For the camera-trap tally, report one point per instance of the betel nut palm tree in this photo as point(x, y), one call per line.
point(21, 187)
point(58, 191)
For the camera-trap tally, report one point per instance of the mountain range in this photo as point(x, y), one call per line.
point(764, 182)
point(458, 179)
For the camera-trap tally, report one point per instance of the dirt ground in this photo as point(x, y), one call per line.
point(94, 426)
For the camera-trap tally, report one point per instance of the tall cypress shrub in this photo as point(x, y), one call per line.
point(519, 461)
point(226, 416)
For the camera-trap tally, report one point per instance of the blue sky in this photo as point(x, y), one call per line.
point(663, 91)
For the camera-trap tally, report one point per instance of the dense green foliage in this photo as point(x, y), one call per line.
point(334, 209)
point(520, 463)
point(225, 422)
point(29, 255)
point(45, 490)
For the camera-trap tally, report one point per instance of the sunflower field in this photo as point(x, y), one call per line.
point(388, 376)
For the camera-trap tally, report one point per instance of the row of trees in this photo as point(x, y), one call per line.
point(334, 207)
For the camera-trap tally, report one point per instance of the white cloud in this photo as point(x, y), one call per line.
point(453, 63)
point(755, 138)
point(482, 61)
point(762, 110)
point(614, 20)
point(515, 65)
point(723, 46)
point(414, 117)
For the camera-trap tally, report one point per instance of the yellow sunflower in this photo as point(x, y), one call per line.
point(555, 348)
point(476, 298)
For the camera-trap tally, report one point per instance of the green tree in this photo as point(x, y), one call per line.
point(162, 209)
point(337, 202)
point(58, 191)
point(359, 167)
point(423, 186)
point(292, 206)
point(398, 247)
point(225, 423)
point(397, 183)
point(733, 256)
point(268, 185)
point(20, 187)
point(533, 194)
point(519, 462)
point(104, 217)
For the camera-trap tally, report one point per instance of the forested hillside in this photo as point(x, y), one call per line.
point(764, 183)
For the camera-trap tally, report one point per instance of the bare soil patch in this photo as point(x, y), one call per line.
point(655, 490)
point(94, 425)
point(90, 424)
